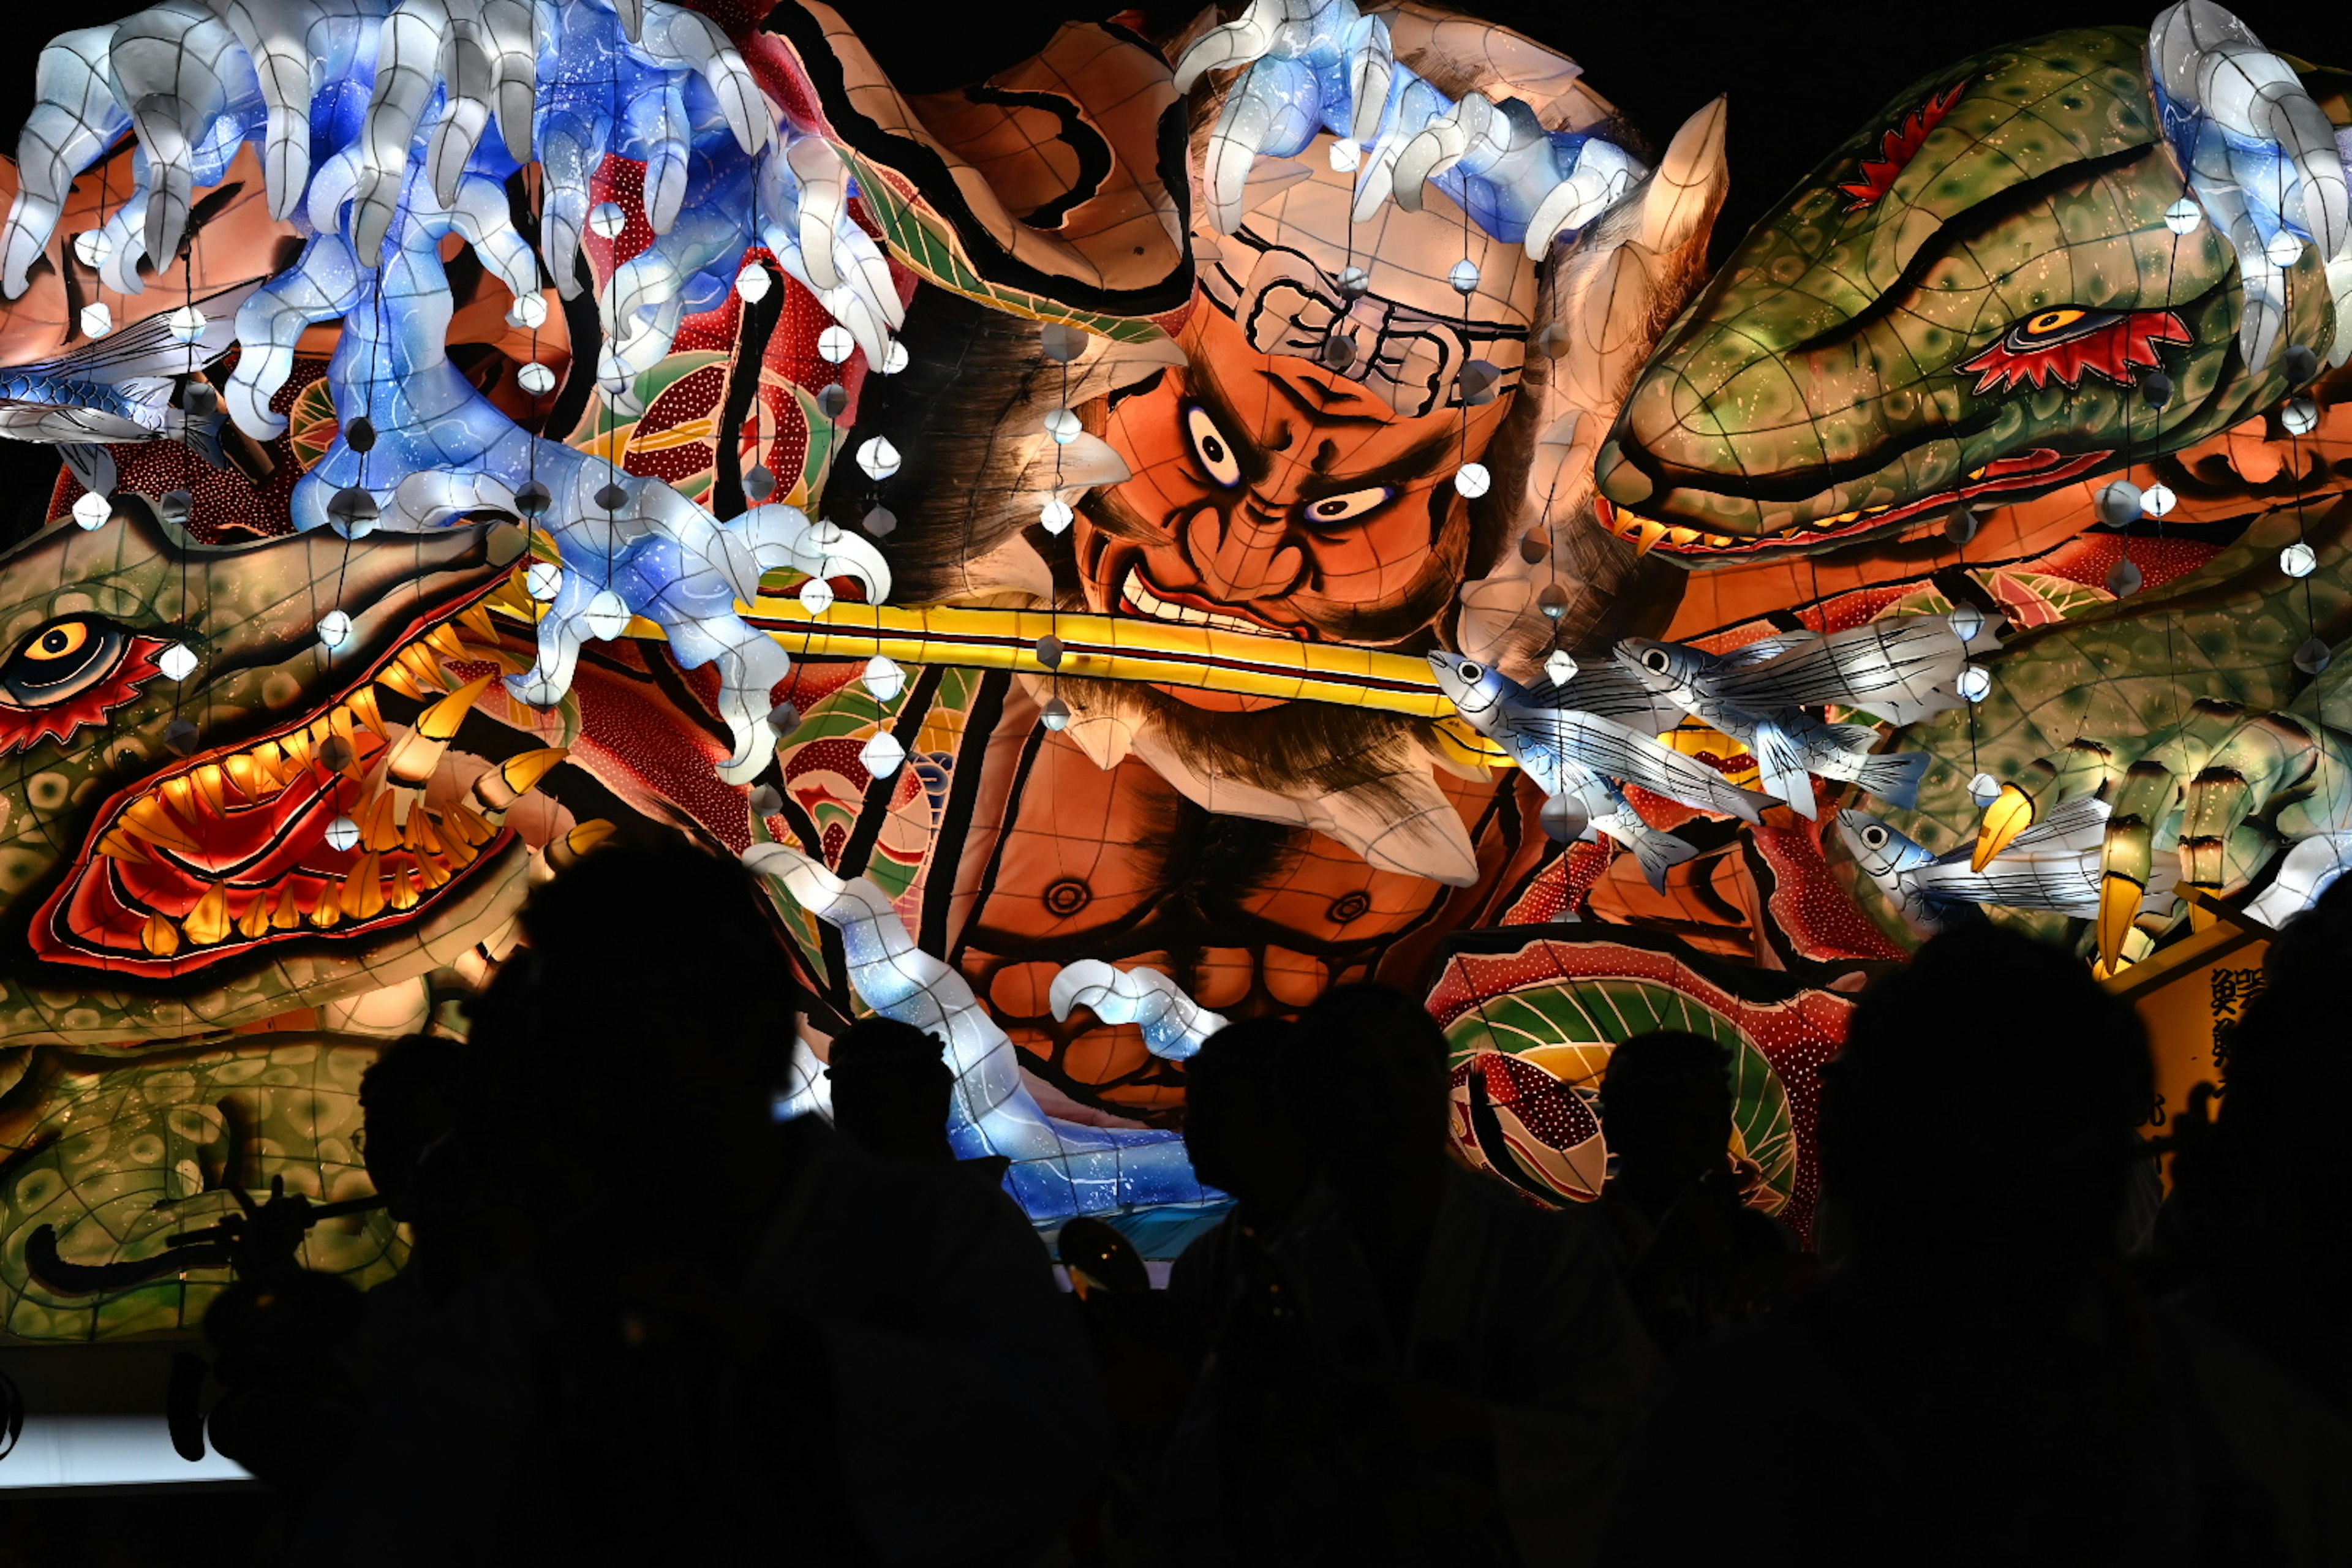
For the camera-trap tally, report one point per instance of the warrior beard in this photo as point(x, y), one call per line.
point(1357, 774)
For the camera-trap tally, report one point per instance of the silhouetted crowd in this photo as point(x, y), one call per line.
point(647, 1322)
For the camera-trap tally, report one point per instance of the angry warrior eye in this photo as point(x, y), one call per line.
point(1345, 508)
point(1209, 445)
point(62, 660)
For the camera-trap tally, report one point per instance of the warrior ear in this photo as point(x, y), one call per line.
point(1606, 297)
point(1680, 201)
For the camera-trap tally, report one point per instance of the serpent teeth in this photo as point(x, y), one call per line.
point(254, 923)
point(119, 845)
point(208, 923)
point(148, 818)
point(159, 936)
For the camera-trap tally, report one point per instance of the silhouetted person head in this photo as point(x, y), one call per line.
point(2281, 1176)
point(1666, 1100)
point(408, 1102)
point(1378, 1063)
point(650, 1010)
point(1238, 1122)
point(891, 1090)
point(1983, 1108)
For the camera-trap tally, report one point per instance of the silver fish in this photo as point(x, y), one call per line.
point(1564, 748)
point(1584, 795)
point(2308, 869)
point(1901, 670)
point(2053, 867)
point(120, 387)
point(1788, 742)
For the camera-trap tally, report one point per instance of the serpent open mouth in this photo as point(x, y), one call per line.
point(345, 824)
point(2036, 469)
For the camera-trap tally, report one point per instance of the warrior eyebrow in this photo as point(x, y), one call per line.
point(1315, 400)
point(1205, 390)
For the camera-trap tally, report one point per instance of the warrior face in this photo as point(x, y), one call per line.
point(1281, 488)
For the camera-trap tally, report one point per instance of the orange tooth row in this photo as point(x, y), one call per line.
point(440, 844)
point(1647, 536)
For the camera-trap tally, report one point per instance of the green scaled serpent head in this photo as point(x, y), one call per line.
point(1978, 296)
point(228, 783)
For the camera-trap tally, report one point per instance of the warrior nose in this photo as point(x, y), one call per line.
point(1246, 555)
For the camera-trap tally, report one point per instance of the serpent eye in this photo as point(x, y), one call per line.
point(1655, 659)
point(1209, 445)
point(2061, 325)
point(62, 661)
point(1874, 835)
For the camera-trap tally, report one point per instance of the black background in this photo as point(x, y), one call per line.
point(1801, 78)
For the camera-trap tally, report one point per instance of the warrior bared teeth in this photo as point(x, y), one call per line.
point(1720, 540)
point(1679, 537)
point(208, 921)
point(160, 936)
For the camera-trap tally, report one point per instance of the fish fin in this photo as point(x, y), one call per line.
point(1656, 851)
point(1888, 667)
point(148, 349)
point(1620, 751)
point(1608, 690)
point(1766, 650)
point(1895, 777)
point(92, 466)
point(204, 438)
point(151, 393)
point(1782, 763)
point(1852, 737)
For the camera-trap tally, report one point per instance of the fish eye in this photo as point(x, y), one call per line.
point(1471, 672)
point(62, 660)
point(1655, 659)
point(1875, 836)
point(1348, 507)
point(1216, 453)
